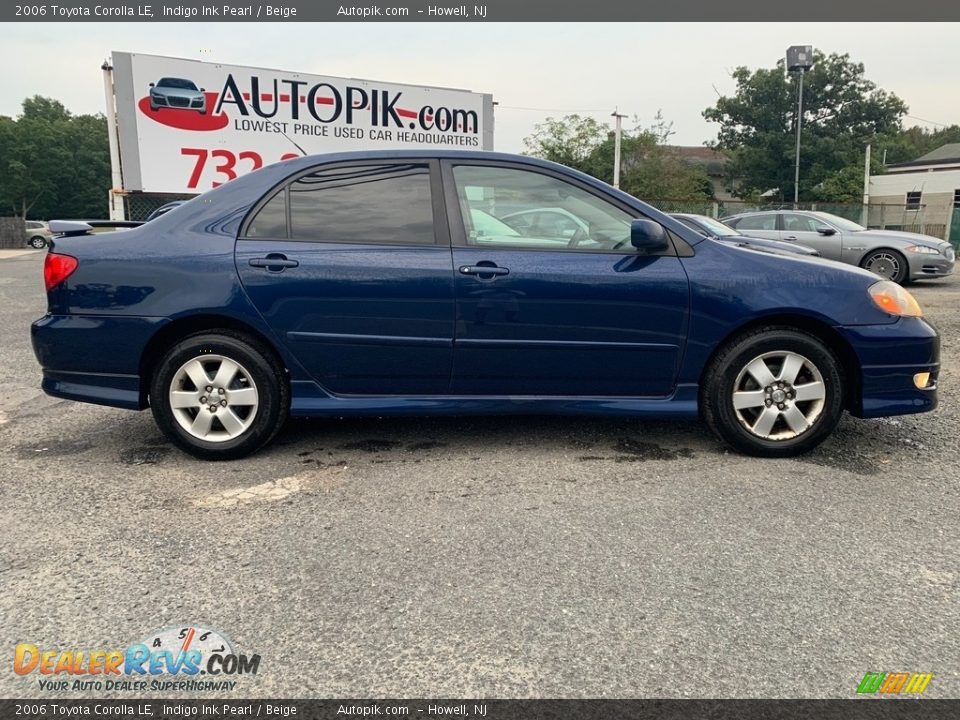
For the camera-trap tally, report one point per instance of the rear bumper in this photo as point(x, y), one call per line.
point(890, 356)
point(93, 358)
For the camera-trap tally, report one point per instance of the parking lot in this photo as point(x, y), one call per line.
point(496, 557)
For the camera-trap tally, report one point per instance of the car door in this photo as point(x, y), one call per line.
point(805, 230)
point(351, 267)
point(558, 316)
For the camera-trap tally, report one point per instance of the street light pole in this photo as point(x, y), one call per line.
point(796, 170)
point(799, 57)
point(616, 148)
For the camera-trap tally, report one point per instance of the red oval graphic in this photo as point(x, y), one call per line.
point(184, 119)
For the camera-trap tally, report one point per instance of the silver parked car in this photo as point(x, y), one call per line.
point(38, 234)
point(178, 93)
point(898, 256)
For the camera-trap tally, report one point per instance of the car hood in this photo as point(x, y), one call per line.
point(776, 256)
point(908, 238)
point(771, 245)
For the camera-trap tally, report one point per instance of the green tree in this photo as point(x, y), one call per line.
point(649, 167)
point(842, 112)
point(572, 140)
point(52, 163)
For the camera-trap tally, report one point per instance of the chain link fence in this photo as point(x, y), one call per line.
point(138, 205)
point(880, 216)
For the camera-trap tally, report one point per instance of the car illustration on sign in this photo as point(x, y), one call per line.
point(388, 283)
point(177, 93)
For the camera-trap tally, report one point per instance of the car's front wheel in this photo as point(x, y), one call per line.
point(219, 395)
point(888, 264)
point(773, 392)
point(38, 241)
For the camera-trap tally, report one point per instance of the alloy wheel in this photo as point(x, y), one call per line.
point(779, 395)
point(213, 398)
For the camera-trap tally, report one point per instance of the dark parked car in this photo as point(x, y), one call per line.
point(897, 256)
point(712, 228)
point(164, 209)
point(385, 283)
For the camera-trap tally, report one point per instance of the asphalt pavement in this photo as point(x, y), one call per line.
point(493, 557)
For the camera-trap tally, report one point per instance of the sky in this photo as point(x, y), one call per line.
point(533, 70)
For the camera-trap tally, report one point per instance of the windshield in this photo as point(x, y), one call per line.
point(716, 227)
point(838, 222)
point(178, 83)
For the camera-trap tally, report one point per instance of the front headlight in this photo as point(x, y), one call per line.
point(893, 299)
point(922, 250)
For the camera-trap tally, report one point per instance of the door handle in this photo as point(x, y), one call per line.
point(274, 262)
point(483, 270)
point(791, 237)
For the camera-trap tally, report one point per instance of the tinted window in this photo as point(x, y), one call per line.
point(800, 223)
point(767, 221)
point(363, 204)
point(271, 221)
point(509, 207)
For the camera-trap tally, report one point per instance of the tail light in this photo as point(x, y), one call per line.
point(57, 268)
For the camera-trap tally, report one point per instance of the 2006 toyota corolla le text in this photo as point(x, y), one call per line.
point(393, 283)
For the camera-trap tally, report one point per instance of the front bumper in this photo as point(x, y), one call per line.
point(889, 357)
point(931, 266)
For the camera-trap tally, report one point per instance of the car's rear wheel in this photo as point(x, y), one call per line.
point(38, 241)
point(888, 264)
point(773, 392)
point(219, 395)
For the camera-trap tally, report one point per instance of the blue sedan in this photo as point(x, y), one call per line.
point(386, 283)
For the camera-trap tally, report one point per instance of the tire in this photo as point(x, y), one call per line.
point(888, 264)
point(808, 369)
point(38, 242)
point(247, 414)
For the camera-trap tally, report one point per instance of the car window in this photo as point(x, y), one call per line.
point(800, 223)
point(556, 215)
point(388, 204)
point(271, 220)
point(765, 221)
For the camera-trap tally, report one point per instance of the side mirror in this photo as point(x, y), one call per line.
point(648, 236)
point(203, 89)
point(828, 231)
point(152, 84)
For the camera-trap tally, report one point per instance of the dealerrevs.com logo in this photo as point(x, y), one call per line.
point(180, 659)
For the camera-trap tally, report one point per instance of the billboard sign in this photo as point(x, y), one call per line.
point(186, 126)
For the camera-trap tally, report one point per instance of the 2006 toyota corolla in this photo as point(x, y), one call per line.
point(383, 283)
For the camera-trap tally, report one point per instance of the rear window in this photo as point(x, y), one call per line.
point(382, 204)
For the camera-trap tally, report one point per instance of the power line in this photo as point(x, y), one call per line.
point(532, 109)
point(930, 122)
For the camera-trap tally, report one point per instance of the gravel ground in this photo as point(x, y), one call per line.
point(497, 557)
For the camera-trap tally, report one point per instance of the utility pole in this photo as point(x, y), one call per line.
point(616, 147)
point(796, 169)
point(866, 189)
point(799, 57)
